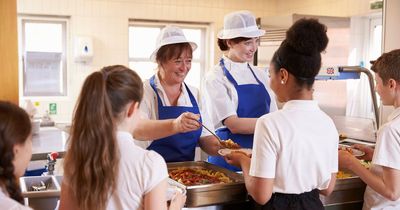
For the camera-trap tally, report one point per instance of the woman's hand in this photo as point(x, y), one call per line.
point(177, 201)
point(236, 158)
point(187, 122)
point(369, 152)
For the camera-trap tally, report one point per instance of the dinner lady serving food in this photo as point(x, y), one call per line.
point(174, 109)
point(237, 91)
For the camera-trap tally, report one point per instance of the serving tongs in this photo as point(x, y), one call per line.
point(219, 139)
point(221, 142)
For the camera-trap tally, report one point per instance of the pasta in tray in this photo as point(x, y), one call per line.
point(198, 176)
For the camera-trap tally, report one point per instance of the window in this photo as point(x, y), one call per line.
point(43, 51)
point(142, 40)
point(375, 41)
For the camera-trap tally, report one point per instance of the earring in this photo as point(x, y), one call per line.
point(282, 82)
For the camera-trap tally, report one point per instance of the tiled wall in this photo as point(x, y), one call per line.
point(343, 8)
point(106, 21)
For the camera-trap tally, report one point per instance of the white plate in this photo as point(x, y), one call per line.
point(174, 187)
point(227, 151)
point(355, 152)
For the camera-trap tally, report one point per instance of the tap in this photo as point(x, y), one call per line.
point(51, 162)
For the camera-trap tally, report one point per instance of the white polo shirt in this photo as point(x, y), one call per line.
point(298, 146)
point(221, 94)
point(139, 172)
point(149, 105)
point(10, 204)
point(386, 153)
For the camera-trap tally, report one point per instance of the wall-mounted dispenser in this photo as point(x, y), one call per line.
point(83, 49)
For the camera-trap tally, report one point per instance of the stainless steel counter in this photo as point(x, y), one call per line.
point(347, 194)
point(49, 139)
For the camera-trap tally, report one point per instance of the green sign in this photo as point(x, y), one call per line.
point(376, 5)
point(52, 108)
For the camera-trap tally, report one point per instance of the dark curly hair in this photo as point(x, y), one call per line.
point(387, 66)
point(15, 128)
point(300, 52)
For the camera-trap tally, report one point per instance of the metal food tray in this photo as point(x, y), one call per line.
point(212, 194)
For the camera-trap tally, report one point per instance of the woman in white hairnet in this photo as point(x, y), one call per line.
point(174, 109)
point(237, 92)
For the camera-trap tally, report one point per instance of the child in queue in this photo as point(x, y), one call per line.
point(15, 153)
point(294, 156)
point(103, 168)
point(383, 179)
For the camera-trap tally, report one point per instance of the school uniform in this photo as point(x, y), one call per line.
point(8, 203)
point(297, 147)
point(155, 105)
point(137, 174)
point(236, 89)
point(386, 154)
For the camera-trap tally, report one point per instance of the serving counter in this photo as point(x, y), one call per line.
point(347, 195)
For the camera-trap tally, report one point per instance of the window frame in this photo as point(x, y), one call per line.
point(205, 28)
point(64, 21)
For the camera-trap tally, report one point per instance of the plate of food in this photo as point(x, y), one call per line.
point(353, 151)
point(229, 144)
point(227, 151)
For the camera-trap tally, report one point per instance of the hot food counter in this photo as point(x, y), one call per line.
point(216, 188)
point(229, 191)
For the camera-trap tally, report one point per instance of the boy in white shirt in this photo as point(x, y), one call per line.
point(383, 179)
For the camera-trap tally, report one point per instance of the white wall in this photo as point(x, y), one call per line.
point(341, 8)
point(106, 21)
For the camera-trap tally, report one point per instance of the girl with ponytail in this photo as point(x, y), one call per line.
point(103, 168)
point(15, 153)
point(295, 153)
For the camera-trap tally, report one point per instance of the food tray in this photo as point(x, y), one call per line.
point(212, 194)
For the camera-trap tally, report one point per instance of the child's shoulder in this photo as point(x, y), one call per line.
point(390, 128)
point(393, 123)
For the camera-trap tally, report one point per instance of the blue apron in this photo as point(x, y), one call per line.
point(253, 102)
point(181, 146)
